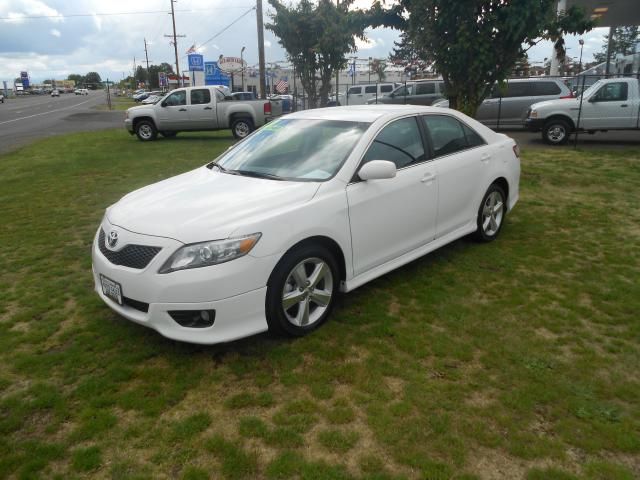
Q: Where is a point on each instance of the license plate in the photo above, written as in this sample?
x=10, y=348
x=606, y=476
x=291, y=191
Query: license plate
x=111, y=289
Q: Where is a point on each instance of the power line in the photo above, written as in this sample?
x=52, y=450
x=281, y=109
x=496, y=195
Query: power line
x=151, y=12
x=226, y=28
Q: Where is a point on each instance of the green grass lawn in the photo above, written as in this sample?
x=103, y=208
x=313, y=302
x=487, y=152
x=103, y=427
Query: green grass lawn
x=118, y=103
x=516, y=359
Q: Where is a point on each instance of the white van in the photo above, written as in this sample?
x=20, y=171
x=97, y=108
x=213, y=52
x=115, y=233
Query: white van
x=360, y=94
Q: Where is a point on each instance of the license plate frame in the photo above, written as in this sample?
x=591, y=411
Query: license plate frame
x=111, y=289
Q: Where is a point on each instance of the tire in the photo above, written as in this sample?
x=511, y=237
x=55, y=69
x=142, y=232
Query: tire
x=556, y=131
x=308, y=277
x=146, y=131
x=241, y=127
x=168, y=134
x=491, y=214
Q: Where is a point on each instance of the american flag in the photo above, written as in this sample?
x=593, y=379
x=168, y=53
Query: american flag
x=282, y=86
x=192, y=49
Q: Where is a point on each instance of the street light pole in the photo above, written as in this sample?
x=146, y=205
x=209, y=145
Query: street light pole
x=581, y=42
x=242, y=66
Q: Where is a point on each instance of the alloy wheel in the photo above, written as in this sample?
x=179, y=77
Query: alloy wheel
x=492, y=213
x=307, y=292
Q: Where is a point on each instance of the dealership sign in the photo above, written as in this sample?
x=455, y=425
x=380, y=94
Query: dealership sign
x=24, y=76
x=213, y=75
x=196, y=62
x=231, y=64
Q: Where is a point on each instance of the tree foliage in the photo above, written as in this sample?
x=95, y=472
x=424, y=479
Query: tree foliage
x=475, y=43
x=92, y=80
x=317, y=39
x=624, y=42
x=79, y=79
x=379, y=67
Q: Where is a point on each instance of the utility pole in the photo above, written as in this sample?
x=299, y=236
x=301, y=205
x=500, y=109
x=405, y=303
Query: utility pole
x=146, y=54
x=134, y=73
x=175, y=41
x=338, y=72
x=263, y=87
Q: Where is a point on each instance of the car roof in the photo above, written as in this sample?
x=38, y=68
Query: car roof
x=363, y=113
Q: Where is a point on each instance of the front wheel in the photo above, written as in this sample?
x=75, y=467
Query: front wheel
x=491, y=214
x=146, y=130
x=301, y=291
x=556, y=132
x=241, y=128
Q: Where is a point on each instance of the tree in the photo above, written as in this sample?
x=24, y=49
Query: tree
x=378, y=67
x=153, y=73
x=92, y=80
x=624, y=42
x=407, y=54
x=477, y=42
x=79, y=79
x=317, y=39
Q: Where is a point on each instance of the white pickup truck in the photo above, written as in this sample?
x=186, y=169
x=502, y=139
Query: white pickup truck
x=196, y=109
x=611, y=104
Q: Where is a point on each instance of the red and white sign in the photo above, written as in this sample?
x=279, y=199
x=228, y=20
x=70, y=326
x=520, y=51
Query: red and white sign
x=231, y=64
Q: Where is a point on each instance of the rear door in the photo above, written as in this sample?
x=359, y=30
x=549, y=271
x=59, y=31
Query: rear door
x=425, y=94
x=202, y=110
x=609, y=107
x=355, y=96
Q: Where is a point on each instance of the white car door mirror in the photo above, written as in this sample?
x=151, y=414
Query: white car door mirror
x=377, y=170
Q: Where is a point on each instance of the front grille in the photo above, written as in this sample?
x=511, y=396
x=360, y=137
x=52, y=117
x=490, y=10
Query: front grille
x=132, y=256
x=138, y=305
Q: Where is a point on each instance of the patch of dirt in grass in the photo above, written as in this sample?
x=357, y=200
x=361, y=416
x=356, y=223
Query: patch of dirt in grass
x=394, y=307
x=395, y=385
x=546, y=334
x=480, y=399
x=494, y=465
x=20, y=327
x=10, y=309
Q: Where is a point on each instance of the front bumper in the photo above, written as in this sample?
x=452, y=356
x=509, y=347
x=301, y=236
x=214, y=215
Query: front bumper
x=534, y=124
x=128, y=124
x=236, y=290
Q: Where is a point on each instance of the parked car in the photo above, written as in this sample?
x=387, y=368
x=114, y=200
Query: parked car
x=243, y=96
x=151, y=99
x=138, y=97
x=81, y=91
x=55, y=93
x=197, y=109
x=507, y=106
x=1, y=98
x=361, y=94
x=317, y=202
x=421, y=92
x=611, y=104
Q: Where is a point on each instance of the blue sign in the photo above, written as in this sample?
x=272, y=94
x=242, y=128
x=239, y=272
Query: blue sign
x=213, y=75
x=24, y=76
x=162, y=79
x=196, y=62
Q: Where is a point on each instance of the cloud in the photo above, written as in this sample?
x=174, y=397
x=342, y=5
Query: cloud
x=366, y=44
x=267, y=43
x=55, y=32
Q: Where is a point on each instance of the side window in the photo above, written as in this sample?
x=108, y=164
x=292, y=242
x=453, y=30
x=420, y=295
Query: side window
x=399, y=142
x=473, y=138
x=355, y=90
x=200, y=97
x=386, y=88
x=546, y=88
x=404, y=90
x=219, y=95
x=612, y=92
x=425, y=88
x=370, y=89
x=447, y=134
x=519, y=89
x=176, y=99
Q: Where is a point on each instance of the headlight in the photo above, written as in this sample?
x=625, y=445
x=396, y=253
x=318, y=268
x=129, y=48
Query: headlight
x=533, y=114
x=204, y=254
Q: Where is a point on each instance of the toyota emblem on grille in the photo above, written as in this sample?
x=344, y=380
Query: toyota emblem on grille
x=112, y=239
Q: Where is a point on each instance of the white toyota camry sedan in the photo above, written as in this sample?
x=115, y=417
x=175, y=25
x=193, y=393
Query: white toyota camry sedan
x=313, y=204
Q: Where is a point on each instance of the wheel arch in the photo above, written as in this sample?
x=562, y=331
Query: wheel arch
x=137, y=120
x=326, y=242
x=563, y=117
x=503, y=183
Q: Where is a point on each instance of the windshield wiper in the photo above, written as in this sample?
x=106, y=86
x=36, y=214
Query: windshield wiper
x=251, y=173
x=221, y=168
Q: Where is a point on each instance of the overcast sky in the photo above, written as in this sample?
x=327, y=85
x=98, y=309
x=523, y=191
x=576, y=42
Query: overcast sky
x=105, y=36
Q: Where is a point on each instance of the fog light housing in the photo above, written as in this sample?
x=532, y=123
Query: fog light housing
x=193, y=318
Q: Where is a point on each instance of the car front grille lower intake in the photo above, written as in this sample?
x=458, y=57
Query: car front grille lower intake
x=132, y=256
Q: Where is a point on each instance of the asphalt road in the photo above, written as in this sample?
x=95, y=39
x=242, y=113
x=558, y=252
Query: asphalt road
x=26, y=118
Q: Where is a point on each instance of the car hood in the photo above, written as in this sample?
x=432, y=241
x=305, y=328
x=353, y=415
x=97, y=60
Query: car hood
x=205, y=204
x=564, y=103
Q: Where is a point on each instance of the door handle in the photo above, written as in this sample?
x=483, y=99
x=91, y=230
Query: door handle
x=485, y=157
x=624, y=105
x=182, y=110
x=428, y=178
x=208, y=108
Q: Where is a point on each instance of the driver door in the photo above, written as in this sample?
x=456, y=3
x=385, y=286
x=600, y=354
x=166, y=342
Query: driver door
x=391, y=217
x=173, y=112
x=608, y=108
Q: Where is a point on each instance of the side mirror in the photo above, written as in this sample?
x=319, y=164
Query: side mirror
x=163, y=104
x=377, y=170
x=593, y=99
x=228, y=97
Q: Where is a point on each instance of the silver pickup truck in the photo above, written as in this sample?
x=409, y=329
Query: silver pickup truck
x=196, y=109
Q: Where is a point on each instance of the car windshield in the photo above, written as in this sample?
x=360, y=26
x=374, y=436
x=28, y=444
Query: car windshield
x=295, y=149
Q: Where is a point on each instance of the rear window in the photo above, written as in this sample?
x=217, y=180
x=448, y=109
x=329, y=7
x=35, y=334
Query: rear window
x=386, y=88
x=425, y=88
x=200, y=97
x=370, y=89
x=546, y=88
x=354, y=90
x=519, y=89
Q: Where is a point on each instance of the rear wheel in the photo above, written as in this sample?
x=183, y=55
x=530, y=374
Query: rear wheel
x=491, y=214
x=241, y=127
x=556, y=131
x=302, y=290
x=146, y=130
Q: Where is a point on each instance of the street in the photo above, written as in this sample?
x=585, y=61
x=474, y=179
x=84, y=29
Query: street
x=26, y=118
